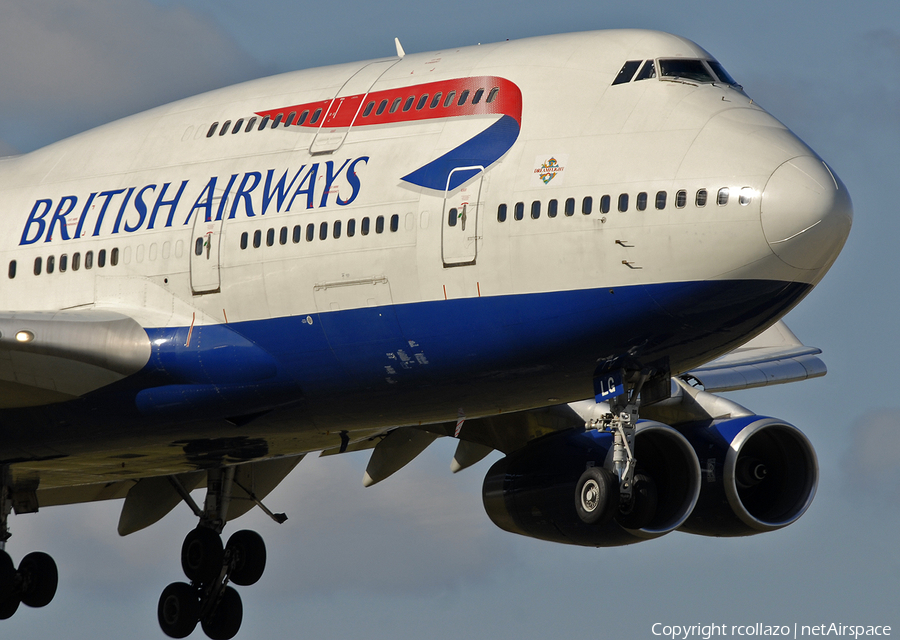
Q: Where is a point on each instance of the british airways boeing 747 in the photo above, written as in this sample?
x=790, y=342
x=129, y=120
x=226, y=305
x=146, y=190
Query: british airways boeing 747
x=555, y=248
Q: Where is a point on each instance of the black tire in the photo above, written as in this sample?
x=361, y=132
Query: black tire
x=596, y=494
x=178, y=610
x=643, y=509
x=39, y=579
x=248, y=557
x=202, y=555
x=7, y=576
x=8, y=607
x=224, y=621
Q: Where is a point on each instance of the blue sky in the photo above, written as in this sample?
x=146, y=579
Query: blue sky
x=415, y=556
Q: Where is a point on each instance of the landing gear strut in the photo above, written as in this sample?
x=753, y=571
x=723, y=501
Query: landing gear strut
x=34, y=582
x=210, y=566
x=636, y=491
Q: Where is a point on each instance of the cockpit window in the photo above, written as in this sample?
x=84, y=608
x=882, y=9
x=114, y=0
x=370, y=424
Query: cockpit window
x=682, y=69
x=647, y=71
x=719, y=70
x=626, y=73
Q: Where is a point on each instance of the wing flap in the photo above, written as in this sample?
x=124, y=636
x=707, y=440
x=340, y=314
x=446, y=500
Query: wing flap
x=775, y=356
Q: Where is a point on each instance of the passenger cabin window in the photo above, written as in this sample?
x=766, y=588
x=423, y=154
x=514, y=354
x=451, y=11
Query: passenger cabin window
x=422, y=102
x=701, y=198
x=570, y=207
x=436, y=100
x=381, y=107
x=684, y=69
x=536, y=209
x=551, y=209
x=37, y=266
x=297, y=233
x=364, y=227
x=493, y=95
x=661, y=200
x=395, y=222
x=587, y=205
x=51, y=264
x=89, y=260
x=369, y=108
x=604, y=204
x=323, y=231
x=12, y=269
x=379, y=224
x=76, y=261
x=680, y=199
x=310, y=232
x=501, y=213
x=283, y=235
x=623, y=202
x=212, y=130
x=449, y=99
x=113, y=257
x=101, y=258
x=270, y=238
x=722, y=198
x=626, y=73
x=462, y=98
x=225, y=127
x=409, y=103
x=63, y=262
x=336, y=229
x=641, y=202
x=351, y=227
x=519, y=212
x=746, y=196
x=263, y=123
x=257, y=239
x=244, y=239
x=477, y=97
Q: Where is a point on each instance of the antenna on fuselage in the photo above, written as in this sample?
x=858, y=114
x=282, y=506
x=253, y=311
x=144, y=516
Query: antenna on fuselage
x=400, y=51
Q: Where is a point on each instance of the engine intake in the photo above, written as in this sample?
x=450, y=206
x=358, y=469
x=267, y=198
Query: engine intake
x=759, y=474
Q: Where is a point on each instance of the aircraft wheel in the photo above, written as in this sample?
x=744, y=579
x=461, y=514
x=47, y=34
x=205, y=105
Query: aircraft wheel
x=595, y=495
x=249, y=553
x=178, y=610
x=202, y=555
x=7, y=576
x=644, y=506
x=225, y=620
x=8, y=607
x=39, y=579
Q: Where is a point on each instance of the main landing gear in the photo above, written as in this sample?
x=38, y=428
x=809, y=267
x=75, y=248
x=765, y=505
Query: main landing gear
x=34, y=582
x=626, y=493
x=210, y=566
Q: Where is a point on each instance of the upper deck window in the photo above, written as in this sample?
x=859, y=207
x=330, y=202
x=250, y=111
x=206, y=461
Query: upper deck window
x=684, y=69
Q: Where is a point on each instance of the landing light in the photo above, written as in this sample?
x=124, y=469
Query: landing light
x=24, y=336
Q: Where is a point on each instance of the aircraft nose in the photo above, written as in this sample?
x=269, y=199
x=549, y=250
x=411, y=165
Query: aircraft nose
x=806, y=213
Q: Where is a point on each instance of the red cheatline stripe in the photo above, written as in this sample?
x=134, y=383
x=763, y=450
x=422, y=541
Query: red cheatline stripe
x=345, y=111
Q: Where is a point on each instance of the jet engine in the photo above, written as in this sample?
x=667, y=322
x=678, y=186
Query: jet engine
x=535, y=491
x=758, y=474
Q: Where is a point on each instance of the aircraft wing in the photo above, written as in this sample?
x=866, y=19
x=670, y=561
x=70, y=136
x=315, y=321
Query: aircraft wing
x=775, y=356
x=48, y=357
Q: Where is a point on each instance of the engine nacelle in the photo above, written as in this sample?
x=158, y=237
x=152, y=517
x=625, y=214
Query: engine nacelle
x=532, y=491
x=758, y=474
